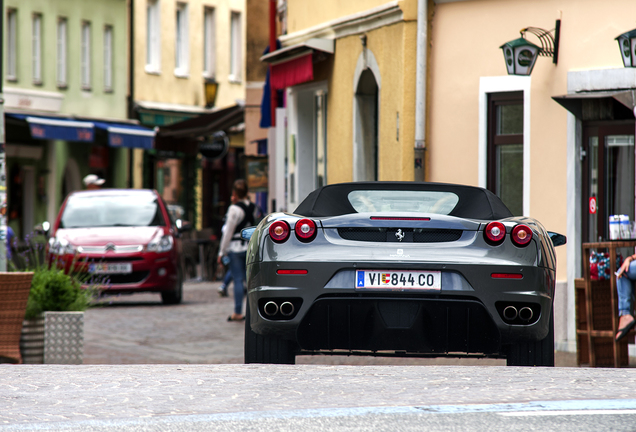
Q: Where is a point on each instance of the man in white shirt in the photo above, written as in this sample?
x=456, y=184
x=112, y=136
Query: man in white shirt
x=239, y=215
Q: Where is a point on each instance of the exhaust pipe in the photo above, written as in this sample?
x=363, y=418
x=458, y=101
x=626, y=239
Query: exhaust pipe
x=270, y=308
x=525, y=313
x=286, y=309
x=510, y=313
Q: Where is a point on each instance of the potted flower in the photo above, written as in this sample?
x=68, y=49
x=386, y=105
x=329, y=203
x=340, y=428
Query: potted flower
x=53, y=329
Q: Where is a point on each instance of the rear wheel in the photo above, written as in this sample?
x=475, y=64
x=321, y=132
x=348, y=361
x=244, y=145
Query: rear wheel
x=266, y=349
x=176, y=295
x=539, y=353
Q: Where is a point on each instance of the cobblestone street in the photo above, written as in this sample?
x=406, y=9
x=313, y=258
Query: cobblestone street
x=138, y=329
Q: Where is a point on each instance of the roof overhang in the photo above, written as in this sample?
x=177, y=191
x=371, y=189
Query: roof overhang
x=294, y=51
x=185, y=136
x=574, y=102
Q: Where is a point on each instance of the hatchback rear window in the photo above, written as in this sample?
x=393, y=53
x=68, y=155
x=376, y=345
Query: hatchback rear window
x=112, y=211
x=403, y=201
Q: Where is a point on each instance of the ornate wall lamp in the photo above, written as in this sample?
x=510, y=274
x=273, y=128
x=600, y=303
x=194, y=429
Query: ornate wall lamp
x=627, y=45
x=520, y=54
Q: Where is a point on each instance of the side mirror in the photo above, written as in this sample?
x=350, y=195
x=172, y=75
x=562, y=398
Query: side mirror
x=42, y=229
x=246, y=233
x=182, y=225
x=557, y=239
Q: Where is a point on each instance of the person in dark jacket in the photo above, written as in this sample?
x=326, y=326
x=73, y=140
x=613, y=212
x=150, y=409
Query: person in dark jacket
x=239, y=215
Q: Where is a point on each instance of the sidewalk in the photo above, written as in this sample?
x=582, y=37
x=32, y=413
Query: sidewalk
x=47, y=394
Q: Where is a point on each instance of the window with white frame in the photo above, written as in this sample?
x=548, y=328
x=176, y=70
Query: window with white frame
x=62, y=38
x=505, y=148
x=12, y=44
x=153, y=41
x=85, y=54
x=108, y=58
x=36, y=49
x=236, y=51
x=209, y=43
x=181, y=49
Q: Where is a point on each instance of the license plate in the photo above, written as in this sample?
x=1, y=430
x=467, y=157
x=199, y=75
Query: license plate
x=110, y=268
x=390, y=279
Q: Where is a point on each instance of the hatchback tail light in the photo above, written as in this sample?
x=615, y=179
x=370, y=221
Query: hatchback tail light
x=305, y=230
x=521, y=235
x=279, y=231
x=495, y=233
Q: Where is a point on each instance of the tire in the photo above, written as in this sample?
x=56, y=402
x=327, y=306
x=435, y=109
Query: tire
x=539, y=353
x=266, y=349
x=176, y=295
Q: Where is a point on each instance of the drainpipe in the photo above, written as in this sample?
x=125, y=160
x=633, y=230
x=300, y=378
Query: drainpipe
x=131, y=85
x=420, y=91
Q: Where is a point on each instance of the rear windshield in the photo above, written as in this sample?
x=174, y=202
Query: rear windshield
x=111, y=211
x=403, y=201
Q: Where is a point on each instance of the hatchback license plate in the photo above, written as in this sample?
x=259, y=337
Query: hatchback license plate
x=111, y=268
x=390, y=279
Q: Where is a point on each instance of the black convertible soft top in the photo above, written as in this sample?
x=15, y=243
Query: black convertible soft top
x=474, y=202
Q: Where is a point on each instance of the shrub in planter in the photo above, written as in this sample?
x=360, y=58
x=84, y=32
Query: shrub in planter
x=54, y=290
x=52, y=331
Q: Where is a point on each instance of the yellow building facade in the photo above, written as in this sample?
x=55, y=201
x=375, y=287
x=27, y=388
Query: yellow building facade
x=177, y=47
x=355, y=120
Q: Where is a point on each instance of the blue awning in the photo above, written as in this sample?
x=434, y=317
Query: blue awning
x=58, y=128
x=119, y=134
x=128, y=135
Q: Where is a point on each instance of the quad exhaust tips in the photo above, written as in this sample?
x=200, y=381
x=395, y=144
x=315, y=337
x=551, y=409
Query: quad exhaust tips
x=513, y=315
x=286, y=308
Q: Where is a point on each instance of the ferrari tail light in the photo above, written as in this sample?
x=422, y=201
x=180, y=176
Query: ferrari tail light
x=521, y=235
x=305, y=230
x=279, y=231
x=495, y=233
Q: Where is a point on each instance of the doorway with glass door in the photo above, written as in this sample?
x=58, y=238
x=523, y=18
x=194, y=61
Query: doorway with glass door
x=607, y=155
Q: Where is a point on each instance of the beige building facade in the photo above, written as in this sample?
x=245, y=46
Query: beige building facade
x=575, y=142
x=557, y=145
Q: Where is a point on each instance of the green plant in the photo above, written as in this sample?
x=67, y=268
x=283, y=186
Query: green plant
x=54, y=290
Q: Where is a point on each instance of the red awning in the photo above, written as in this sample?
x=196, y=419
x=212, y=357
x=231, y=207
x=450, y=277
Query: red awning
x=295, y=71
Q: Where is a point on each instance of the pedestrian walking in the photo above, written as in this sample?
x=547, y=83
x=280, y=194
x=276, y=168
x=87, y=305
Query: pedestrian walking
x=239, y=215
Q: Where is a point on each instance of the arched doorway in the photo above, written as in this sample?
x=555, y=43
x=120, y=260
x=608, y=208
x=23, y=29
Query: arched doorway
x=365, y=112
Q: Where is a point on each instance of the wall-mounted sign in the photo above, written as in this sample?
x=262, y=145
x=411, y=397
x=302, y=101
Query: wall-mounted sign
x=215, y=146
x=592, y=205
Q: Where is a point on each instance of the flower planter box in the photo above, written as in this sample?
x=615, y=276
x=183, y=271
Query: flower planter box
x=54, y=338
x=14, y=292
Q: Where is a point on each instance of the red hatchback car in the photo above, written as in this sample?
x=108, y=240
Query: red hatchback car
x=125, y=237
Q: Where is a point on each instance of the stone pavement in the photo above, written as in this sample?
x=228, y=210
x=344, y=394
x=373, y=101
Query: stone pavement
x=146, y=361
x=139, y=330
x=36, y=394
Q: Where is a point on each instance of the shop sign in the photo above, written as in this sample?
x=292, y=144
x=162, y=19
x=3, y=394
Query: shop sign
x=215, y=146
